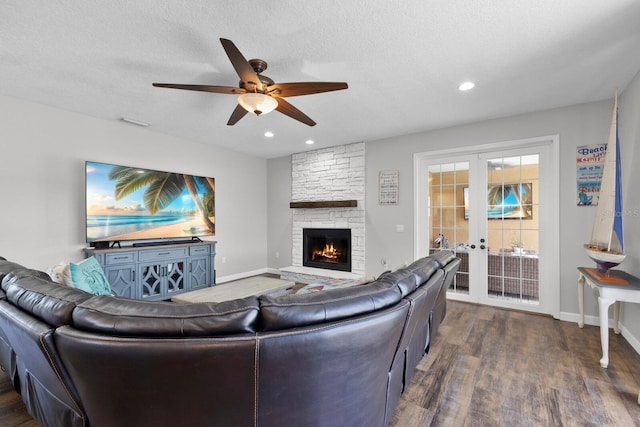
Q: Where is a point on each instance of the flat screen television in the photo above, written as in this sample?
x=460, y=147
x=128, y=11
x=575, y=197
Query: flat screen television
x=508, y=201
x=125, y=203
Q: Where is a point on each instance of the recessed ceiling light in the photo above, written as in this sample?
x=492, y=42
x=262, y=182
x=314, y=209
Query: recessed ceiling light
x=309, y=142
x=268, y=134
x=466, y=86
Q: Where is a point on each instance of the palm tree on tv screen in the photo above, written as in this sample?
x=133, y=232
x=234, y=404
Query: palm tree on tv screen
x=497, y=195
x=162, y=188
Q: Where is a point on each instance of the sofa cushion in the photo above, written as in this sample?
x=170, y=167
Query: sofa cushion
x=443, y=257
x=289, y=311
x=9, y=271
x=20, y=273
x=411, y=277
x=126, y=317
x=403, y=278
x=7, y=267
x=48, y=301
x=423, y=269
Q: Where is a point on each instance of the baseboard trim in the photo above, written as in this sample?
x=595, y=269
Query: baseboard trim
x=244, y=275
x=575, y=317
x=632, y=340
x=595, y=321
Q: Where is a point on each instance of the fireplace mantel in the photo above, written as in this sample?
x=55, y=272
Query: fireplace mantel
x=324, y=204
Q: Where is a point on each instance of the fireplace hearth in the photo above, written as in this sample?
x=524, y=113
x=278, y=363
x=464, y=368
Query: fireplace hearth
x=328, y=248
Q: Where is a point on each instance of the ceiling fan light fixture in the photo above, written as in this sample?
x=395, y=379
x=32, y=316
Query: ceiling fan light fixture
x=468, y=85
x=257, y=103
x=259, y=93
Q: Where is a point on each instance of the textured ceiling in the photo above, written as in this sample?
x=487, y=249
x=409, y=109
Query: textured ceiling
x=403, y=61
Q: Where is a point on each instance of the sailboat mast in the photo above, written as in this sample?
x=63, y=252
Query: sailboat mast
x=615, y=144
x=607, y=247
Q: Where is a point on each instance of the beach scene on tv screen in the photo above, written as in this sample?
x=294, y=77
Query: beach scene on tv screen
x=509, y=201
x=505, y=201
x=128, y=203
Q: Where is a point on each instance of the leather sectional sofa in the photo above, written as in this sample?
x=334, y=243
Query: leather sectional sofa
x=340, y=357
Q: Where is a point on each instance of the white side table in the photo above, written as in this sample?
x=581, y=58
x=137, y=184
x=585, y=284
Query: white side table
x=609, y=293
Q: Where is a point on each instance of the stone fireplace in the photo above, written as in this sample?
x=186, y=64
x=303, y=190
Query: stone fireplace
x=328, y=248
x=325, y=178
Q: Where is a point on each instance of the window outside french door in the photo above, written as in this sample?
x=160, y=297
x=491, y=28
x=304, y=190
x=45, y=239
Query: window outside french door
x=494, y=209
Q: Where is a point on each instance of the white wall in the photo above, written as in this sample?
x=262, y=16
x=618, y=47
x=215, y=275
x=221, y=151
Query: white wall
x=42, y=155
x=280, y=216
x=629, y=134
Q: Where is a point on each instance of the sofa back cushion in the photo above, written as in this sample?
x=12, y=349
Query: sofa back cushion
x=403, y=278
x=7, y=267
x=44, y=299
x=125, y=317
x=19, y=273
x=443, y=257
x=423, y=269
x=409, y=278
x=289, y=311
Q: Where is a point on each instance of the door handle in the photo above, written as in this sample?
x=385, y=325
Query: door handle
x=472, y=246
x=482, y=247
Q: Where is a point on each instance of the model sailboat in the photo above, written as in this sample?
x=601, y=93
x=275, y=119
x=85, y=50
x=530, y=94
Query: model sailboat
x=607, y=247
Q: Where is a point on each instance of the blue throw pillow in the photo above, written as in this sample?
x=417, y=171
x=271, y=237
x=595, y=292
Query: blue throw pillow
x=88, y=276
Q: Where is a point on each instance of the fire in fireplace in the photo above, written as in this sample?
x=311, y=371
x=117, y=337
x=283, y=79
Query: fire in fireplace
x=328, y=248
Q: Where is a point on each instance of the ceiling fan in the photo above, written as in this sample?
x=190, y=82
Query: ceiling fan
x=259, y=94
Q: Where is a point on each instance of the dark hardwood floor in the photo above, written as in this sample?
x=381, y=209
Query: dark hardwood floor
x=12, y=410
x=493, y=367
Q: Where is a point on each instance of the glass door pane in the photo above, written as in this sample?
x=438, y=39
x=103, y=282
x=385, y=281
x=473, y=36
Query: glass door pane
x=448, y=214
x=513, y=228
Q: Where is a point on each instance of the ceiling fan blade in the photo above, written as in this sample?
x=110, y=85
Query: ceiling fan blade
x=287, y=109
x=296, y=89
x=241, y=65
x=204, y=88
x=237, y=114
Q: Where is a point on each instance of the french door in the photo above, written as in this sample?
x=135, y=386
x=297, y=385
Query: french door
x=494, y=208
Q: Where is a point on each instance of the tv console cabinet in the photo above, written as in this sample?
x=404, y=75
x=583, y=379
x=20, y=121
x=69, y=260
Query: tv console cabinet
x=157, y=272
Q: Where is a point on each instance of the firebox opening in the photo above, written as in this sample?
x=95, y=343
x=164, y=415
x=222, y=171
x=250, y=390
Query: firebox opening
x=328, y=248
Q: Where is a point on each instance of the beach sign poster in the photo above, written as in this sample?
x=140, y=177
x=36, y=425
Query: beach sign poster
x=589, y=167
